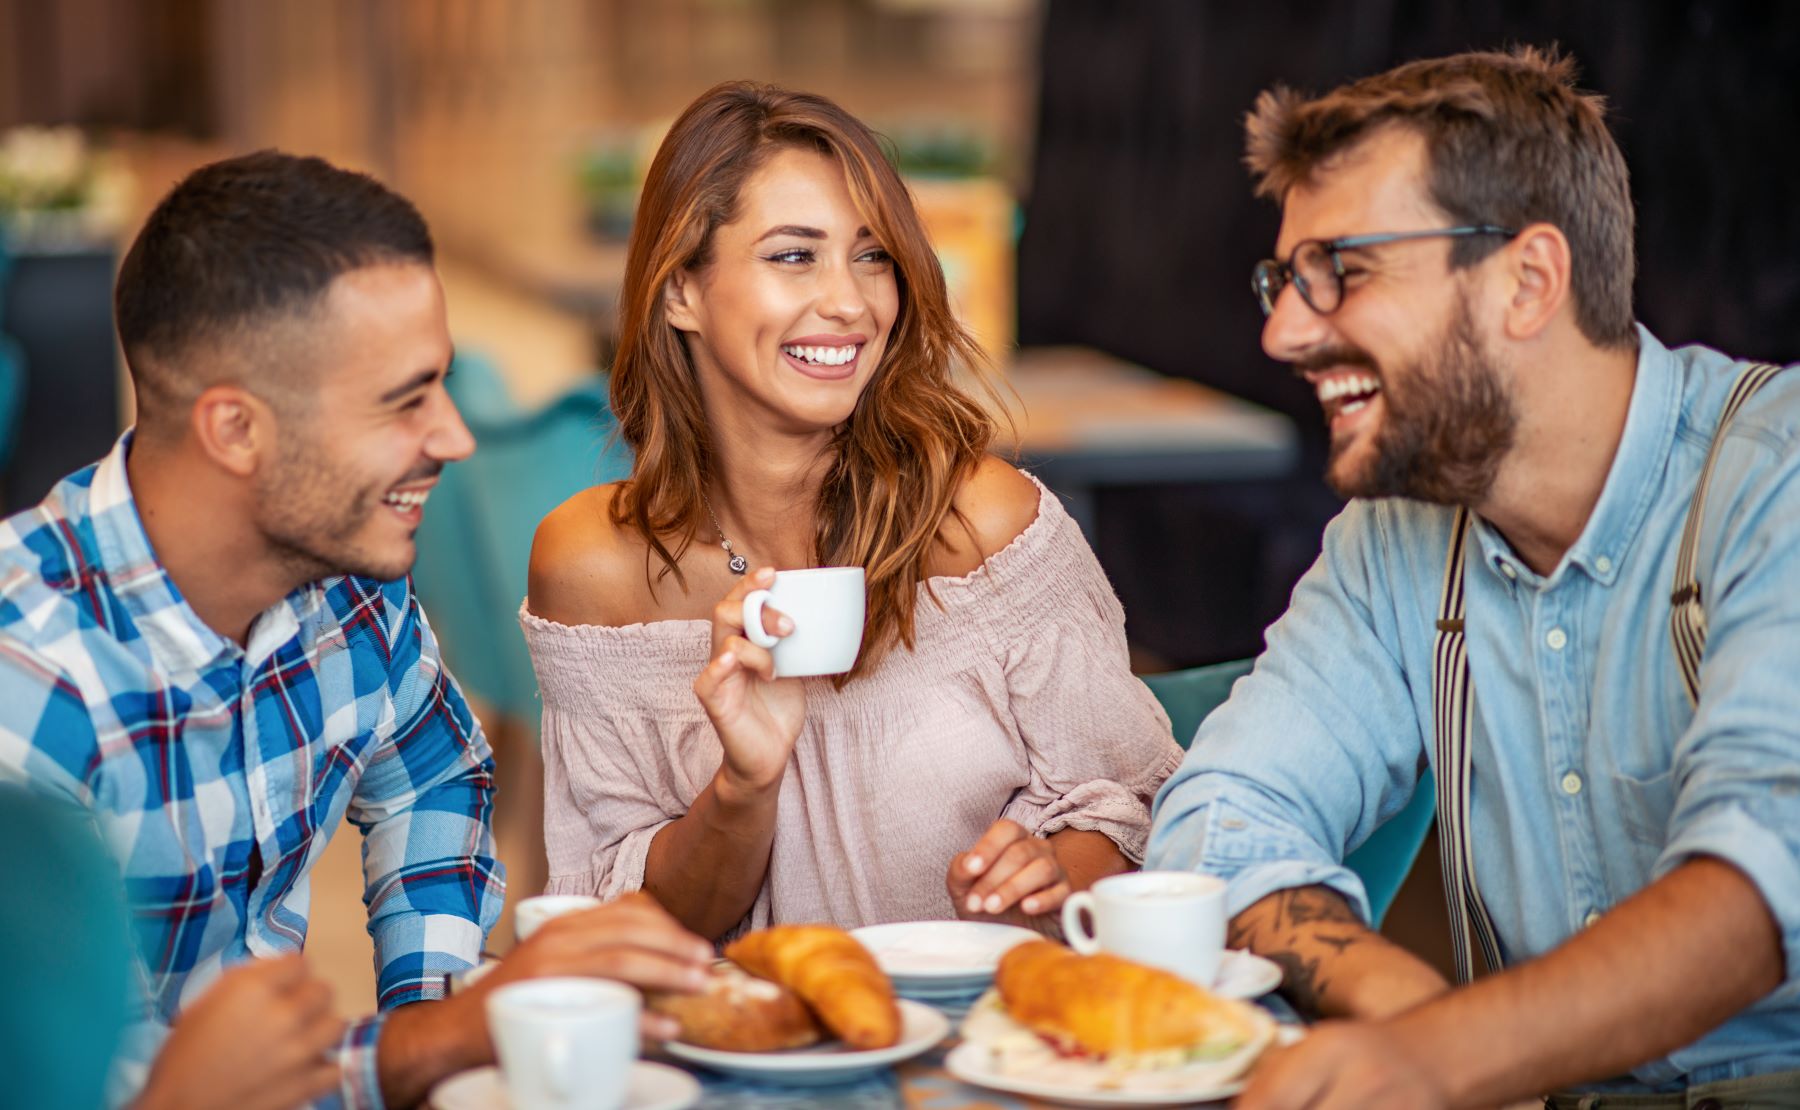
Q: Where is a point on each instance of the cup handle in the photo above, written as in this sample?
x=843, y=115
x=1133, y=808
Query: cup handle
x=753, y=622
x=1074, y=930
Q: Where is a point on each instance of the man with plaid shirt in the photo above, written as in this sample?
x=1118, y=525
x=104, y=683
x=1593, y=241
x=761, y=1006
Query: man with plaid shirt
x=208, y=640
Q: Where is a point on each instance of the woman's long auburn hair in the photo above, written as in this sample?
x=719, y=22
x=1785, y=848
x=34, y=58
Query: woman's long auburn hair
x=913, y=437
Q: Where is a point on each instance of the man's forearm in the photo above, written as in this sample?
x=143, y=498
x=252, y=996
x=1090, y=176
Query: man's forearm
x=1658, y=972
x=1332, y=964
x=427, y=1041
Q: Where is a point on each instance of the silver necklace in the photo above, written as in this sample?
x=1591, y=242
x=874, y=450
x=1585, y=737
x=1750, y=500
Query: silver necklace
x=737, y=563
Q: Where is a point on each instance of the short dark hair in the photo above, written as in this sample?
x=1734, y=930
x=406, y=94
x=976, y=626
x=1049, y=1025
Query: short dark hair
x=1509, y=139
x=245, y=240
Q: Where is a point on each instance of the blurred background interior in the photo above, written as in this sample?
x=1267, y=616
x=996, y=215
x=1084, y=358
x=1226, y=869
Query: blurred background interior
x=1076, y=160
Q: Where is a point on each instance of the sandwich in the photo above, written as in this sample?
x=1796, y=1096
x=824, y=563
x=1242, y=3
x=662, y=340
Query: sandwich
x=1051, y=1005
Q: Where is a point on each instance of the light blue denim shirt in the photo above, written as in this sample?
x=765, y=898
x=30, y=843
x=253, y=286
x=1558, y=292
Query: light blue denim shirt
x=1592, y=774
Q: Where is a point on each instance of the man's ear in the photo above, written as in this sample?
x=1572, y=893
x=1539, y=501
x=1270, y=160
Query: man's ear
x=1538, y=271
x=234, y=427
x=679, y=295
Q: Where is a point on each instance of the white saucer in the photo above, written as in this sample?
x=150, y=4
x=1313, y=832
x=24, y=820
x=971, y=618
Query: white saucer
x=820, y=1065
x=934, y=960
x=653, y=1087
x=1245, y=975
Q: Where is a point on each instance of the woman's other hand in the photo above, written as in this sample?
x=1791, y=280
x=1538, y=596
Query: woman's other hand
x=756, y=715
x=1007, y=870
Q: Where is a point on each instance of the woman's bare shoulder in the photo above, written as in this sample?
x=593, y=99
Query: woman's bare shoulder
x=996, y=503
x=584, y=568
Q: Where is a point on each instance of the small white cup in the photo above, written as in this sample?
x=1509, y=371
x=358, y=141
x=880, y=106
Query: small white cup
x=1174, y=920
x=826, y=606
x=565, y=1044
x=529, y=915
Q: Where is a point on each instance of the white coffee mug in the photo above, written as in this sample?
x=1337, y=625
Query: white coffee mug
x=1174, y=920
x=826, y=606
x=530, y=914
x=565, y=1044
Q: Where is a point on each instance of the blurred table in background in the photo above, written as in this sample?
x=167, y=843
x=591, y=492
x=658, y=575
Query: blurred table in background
x=1091, y=420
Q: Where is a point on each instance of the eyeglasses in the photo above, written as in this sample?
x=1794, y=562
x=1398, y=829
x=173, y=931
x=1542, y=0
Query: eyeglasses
x=1316, y=268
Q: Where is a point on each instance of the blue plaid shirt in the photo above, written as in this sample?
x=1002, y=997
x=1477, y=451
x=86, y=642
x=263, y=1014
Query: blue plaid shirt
x=217, y=774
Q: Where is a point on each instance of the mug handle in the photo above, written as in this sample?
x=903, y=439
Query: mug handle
x=1074, y=931
x=753, y=622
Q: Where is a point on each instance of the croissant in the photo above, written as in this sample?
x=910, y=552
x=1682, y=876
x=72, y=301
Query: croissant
x=1106, y=1006
x=830, y=972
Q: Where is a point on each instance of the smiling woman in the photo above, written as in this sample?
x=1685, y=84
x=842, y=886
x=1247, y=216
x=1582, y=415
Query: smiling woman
x=785, y=378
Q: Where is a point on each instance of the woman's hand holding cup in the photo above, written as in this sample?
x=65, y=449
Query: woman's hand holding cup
x=756, y=715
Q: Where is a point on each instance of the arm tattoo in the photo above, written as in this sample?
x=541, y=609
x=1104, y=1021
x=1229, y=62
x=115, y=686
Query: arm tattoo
x=1303, y=931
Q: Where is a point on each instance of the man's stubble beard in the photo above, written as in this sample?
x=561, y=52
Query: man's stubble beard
x=310, y=512
x=1445, y=429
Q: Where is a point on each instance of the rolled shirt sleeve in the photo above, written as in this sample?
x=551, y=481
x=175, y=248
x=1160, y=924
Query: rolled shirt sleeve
x=1316, y=747
x=433, y=885
x=1735, y=772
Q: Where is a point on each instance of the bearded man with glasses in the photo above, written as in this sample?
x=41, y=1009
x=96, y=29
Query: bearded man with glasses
x=1563, y=594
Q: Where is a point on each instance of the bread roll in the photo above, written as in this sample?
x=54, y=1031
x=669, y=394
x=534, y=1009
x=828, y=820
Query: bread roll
x=738, y=1012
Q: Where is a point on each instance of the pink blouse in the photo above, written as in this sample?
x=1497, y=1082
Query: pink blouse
x=1016, y=701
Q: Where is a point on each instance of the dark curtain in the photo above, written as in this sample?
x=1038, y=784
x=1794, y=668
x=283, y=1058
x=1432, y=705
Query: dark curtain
x=1140, y=229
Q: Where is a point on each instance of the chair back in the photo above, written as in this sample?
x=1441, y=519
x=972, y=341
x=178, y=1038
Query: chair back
x=475, y=539
x=1384, y=860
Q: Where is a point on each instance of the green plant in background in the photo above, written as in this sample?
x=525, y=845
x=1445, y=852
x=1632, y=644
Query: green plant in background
x=53, y=185
x=610, y=174
x=940, y=149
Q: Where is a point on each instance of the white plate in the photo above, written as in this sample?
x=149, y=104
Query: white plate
x=940, y=959
x=921, y=1028
x=1074, y=1083
x=653, y=1087
x=1245, y=975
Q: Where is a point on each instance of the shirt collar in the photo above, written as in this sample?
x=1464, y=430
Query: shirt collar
x=1632, y=485
x=178, y=639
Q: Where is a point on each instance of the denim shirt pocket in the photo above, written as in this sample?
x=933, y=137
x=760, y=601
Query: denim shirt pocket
x=1645, y=805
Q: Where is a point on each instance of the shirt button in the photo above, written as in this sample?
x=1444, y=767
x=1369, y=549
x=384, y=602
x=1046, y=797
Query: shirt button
x=1592, y=916
x=1571, y=783
x=1603, y=565
x=1557, y=639
x=1511, y=574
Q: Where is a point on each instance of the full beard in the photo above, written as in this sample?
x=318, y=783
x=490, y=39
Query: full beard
x=1444, y=431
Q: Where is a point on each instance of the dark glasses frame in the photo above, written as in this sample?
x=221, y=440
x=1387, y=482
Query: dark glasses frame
x=1272, y=275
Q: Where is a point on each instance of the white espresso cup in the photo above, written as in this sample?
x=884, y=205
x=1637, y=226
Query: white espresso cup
x=530, y=914
x=826, y=606
x=1174, y=920
x=565, y=1044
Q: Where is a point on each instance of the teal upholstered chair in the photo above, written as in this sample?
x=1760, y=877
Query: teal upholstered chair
x=1384, y=859
x=475, y=539
x=64, y=930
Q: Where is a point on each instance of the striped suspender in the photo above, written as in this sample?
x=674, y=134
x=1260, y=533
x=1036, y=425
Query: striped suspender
x=1687, y=617
x=1452, y=699
x=1453, y=695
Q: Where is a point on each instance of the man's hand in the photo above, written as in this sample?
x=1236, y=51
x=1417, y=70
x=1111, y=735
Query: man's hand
x=270, y=1014
x=633, y=940
x=1343, y=1066
x=1007, y=867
